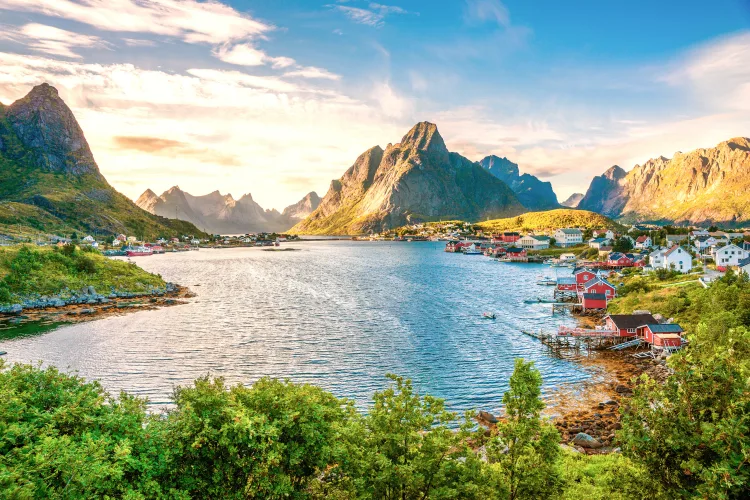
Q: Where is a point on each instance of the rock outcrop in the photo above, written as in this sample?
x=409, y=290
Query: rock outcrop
x=300, y=210
x=531, y=192
x=710, y=185
x=415, y=180
x=573, y=200
x=47, y=168
x=217, y=213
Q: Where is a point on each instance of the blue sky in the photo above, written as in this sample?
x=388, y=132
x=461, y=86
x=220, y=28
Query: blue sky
x=277, y=98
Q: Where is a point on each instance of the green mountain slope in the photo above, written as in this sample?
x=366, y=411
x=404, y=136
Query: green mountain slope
x=46, y=164
x=551, y=219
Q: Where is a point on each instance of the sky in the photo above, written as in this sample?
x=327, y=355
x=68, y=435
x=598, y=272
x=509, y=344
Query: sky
x=277, y=98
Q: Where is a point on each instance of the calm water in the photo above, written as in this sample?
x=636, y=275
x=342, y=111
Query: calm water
x=337, y=314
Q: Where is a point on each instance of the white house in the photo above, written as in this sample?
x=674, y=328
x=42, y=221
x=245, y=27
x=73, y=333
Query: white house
x=94, y=244
x=729, y=256
x=533, y=242
x=88, y=239
x=704, y=244
x=643, y=242
x=598, y=243
x=116, y=242
x=197, y=242
x=656, y=258
x=604, y=233
x=567, y=257
x=568, y=237
x=678, y=258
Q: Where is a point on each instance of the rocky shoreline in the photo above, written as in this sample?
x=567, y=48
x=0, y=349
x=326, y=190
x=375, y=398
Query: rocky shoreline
x=86, y=304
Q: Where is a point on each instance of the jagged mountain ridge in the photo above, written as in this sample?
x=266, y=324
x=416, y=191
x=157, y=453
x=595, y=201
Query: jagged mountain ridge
x=573, y=200
x=533, y=193
x=705, y=185
x=415, y=180
x=304, y=207
x=222, y=214
x=47, y=165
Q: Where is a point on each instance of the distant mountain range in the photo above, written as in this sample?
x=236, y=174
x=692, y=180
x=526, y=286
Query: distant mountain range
x=417, y=179
x=710, y=185
x=222, y=214
x=573, y=200
x=531, y=192
x=50, y=182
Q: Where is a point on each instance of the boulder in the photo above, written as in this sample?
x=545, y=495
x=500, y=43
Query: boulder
x=623, y=389
x=487, y=417
x=585, y=441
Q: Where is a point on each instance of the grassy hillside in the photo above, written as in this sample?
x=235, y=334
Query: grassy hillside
x=26, y=271
x=551, y=219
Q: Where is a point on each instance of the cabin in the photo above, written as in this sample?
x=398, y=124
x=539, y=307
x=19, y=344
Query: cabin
x=566, y=284
x=583, y=276
x=567, y=257
x=533, y=242
x=594, y=301
x=607, y=234
x=661, y=335
x=600, y=285
x=626, y=325
x=510, y=237
x=617, y=259
x=516, y=254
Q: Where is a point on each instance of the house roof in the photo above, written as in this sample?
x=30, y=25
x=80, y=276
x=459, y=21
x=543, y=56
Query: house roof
x=596, y=280
x=672, y=250
x=566, y=280
x=568, y=230
x=666, y=328
x=641, y=239
x=541, y=238
x=594, y=296
x=632, y=320
x=597, y=240
x=731, y=246
x=744, y=262
x=511, y=234
x=605, y=249
x=676, y=237
x=516, y=250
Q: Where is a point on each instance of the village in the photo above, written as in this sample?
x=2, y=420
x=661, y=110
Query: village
x=599, y=261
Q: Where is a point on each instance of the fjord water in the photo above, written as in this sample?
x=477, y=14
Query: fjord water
x=338, y=314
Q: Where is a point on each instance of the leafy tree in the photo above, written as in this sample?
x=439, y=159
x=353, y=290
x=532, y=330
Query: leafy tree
x=623, y=245
x=692, y=430
x=525, y=448
x=405, y=448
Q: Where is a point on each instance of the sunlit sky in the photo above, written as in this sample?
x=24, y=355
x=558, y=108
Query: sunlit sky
x=278, y=97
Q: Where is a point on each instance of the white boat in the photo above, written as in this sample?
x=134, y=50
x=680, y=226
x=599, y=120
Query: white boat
x=547, y=282
x=488, y=315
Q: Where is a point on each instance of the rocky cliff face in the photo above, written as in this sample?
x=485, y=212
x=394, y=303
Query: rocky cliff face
x=531, y=192
x=215, y=212
x=46, y=165
x=304, y=207
x=705, y=185
x=573, y=200
x=415, y=180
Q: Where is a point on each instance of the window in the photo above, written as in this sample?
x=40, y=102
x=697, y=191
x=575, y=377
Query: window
x=631, y=330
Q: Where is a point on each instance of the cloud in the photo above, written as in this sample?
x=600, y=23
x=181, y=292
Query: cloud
x=488, y=10
x=176, y=149
x=373, y=16
x=245, y=54
x=191, y=20
x=313, y=72
x=51, y=40
x=137, y=42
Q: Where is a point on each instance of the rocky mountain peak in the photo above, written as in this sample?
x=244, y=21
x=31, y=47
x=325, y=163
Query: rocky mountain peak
x=424, y=136
x=46, y=125
x=533, y=193
x=614, y=173
x=496, y=164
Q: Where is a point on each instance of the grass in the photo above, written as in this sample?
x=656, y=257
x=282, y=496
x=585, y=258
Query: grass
x=27, y=271
x=550, y=220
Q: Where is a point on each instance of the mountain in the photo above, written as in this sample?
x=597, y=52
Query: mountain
x=550, y=220
x=50, y=182
x=304, y=207
x=573, y=200
x=415, y=180
x=222, y=214
x=710, y=185
x=531, y=192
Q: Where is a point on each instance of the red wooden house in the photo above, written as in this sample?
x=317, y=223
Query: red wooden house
x=627, y=325
x=566, y=284
x=617, y=259
x=510, y=237
x=517, y=254
x=661, y=335
x=583, y=276
x=599, y=285
x=594, y=301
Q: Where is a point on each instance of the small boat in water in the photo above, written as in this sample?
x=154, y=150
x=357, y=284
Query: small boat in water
x=547, y=282
x=488, y=315
x=138, y=251
x=3, y=353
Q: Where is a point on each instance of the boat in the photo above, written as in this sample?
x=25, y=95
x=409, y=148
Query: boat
x=3, y=353
x=549, y=262
x=138, y=251
x=472, y=252
x=547, y=282
x=488, y=315
x=504, y=259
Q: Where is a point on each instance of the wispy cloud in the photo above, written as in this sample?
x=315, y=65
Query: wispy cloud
x=488, y=10
x=191, y=20
x=245, y=54
x=51, y=40
x=178, y=149
x=374, y=15
x=313, y=72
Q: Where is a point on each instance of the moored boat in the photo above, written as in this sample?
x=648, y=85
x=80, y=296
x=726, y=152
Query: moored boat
x=138, y=251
